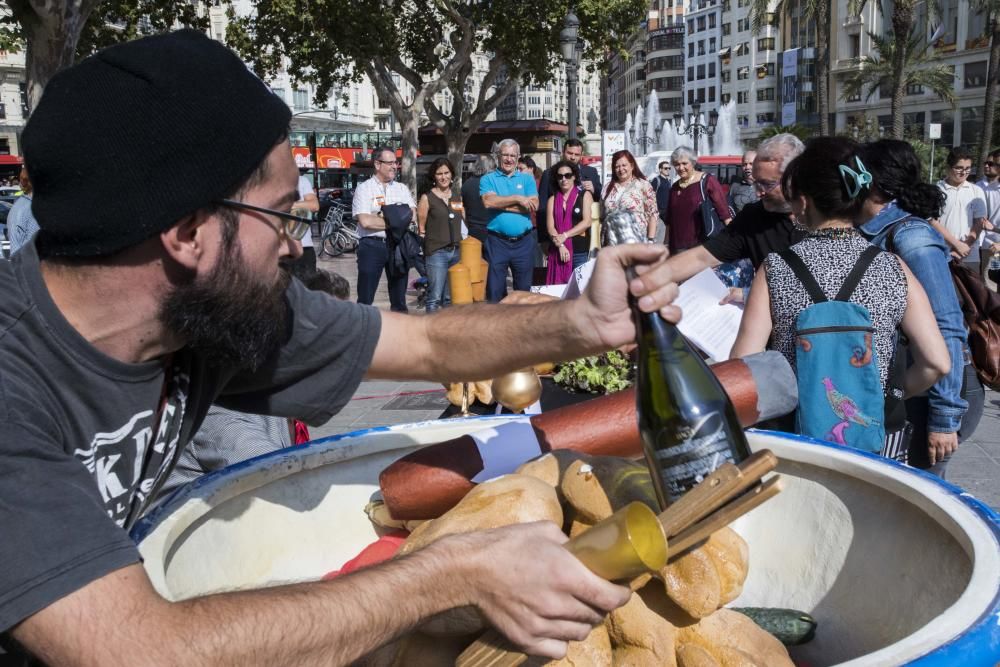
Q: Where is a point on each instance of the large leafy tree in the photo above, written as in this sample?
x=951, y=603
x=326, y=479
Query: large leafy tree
x=430, y=46
x=56, y=33
x=815, y=11
x=895, y=67
x=992, y=10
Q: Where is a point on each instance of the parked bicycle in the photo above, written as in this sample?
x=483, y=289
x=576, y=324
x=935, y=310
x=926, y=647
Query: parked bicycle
x=338, y=232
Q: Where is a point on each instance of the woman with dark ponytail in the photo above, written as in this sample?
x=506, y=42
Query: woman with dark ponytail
x=894, y=217
x=835, y=281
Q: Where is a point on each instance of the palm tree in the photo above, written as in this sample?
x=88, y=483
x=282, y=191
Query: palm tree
x=817, y=11
x=992, y=10
x=800, y=131
x=897, y=69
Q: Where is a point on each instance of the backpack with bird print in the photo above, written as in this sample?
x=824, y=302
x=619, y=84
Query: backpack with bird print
x=840, y=394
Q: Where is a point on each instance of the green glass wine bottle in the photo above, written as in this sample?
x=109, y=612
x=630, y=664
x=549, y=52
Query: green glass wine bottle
x=687, y=422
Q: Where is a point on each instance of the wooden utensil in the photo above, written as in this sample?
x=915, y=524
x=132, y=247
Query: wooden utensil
x=727, y=494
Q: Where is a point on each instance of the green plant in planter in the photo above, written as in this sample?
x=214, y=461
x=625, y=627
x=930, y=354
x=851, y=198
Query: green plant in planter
x=601, y=374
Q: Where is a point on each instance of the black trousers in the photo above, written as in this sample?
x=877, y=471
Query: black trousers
x=916, y=414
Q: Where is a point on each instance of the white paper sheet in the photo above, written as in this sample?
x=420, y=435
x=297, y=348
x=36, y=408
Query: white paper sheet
x=705, y=323
x=505, y=447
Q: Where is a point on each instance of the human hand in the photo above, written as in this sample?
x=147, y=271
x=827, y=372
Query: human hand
x=563, y=254
x=940, y=445
x=588, y=186
x=604, y=308
x=519, y=298
x=533, y=590
x=735, y=295
x=961, y=249
x=529, y=204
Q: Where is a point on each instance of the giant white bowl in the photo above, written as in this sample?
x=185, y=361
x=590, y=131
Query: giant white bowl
x=896, y=566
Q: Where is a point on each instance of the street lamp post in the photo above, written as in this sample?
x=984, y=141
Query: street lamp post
x=642, y=138
x=695, y=126
x=568, y=43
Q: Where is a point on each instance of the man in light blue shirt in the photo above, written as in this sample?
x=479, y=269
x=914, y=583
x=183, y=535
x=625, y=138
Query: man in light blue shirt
x=21, y=225
x=509, y=197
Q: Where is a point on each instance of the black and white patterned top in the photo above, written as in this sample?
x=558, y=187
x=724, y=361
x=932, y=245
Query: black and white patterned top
x=830, y=256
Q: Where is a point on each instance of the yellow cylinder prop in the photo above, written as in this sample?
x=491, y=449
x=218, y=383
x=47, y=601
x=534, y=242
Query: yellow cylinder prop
x=479, y=288
x=471, y=254
x=460, y=285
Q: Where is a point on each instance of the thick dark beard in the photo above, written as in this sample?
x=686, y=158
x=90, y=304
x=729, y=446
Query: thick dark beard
x=231, y=317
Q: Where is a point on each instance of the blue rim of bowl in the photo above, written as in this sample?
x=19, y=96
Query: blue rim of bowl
x=979, y=644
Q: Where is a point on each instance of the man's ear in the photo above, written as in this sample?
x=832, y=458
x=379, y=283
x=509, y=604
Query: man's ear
x=186, y=241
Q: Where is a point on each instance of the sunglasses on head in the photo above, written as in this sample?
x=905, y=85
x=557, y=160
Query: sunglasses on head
x=564, y=175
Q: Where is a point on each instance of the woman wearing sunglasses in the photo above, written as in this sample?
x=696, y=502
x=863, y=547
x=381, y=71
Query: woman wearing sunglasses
x=568, y=216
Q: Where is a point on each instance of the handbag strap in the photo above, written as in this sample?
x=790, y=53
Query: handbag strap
x=701, y=186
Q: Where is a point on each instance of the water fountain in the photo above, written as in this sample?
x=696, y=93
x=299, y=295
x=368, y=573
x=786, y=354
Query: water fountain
x=727, y=135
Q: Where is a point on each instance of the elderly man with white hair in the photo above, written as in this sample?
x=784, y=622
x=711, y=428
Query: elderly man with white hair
x=762, y=227
x=509, y=197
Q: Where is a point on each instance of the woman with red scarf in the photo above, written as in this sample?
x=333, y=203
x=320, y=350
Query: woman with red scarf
x=568, y=219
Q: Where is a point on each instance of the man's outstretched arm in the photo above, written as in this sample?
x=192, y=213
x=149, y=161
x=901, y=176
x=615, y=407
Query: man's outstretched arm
x=520, y=577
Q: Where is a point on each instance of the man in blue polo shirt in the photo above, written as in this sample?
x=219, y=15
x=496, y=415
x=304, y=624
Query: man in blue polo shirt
x=509, y=197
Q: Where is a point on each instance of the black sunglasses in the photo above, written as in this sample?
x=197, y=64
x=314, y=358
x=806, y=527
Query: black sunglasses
x=293, y=226
x=562, y=176
x=990, y=163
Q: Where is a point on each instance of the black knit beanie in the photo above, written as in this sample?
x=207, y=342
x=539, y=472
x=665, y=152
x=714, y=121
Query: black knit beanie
x=132, y=139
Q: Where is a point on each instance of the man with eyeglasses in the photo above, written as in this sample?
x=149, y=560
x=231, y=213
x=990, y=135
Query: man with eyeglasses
x=373, y=251
x=990, y=252
x=510, y=197
x=963, y=218
x=124, y=324
x=762, y=227
x=744, y=192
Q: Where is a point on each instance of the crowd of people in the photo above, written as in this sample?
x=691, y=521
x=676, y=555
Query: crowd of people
x=153, y=313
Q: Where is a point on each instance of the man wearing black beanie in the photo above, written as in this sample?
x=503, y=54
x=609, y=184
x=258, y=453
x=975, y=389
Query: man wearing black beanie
x=163, y=183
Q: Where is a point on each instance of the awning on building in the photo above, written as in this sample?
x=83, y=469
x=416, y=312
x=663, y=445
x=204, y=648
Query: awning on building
x=743, y=71
x=724, y=52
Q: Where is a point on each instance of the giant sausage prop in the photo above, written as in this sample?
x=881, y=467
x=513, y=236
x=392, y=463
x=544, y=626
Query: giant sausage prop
x=428, y=482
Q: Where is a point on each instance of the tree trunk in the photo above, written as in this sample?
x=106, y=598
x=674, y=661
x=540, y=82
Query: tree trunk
x=902, y=25
x=992, y=76
x=52, y=31
x=823, y=66
x=410, y=123
x=456, y=140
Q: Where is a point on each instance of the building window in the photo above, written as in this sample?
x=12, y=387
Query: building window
x=743, y=73
x=912, y=89
x=690, y=97
x=853, y=98
x=711, y=70
x=3, y=110
x=711, y=94
x=726, y=76
x=711, y=20
x=765, y=118
x=765, y=44
x=300, y=99
x=727, y=29
x=855, y=42
x=725, y=98
x=975, y=75
x=690, y=49
x=743, y=24
x=742, y=96
x=701, y=72
x=765, y=94
x=690, y=26
x=765, y=70
x=701, y=47
x=701, y=23
x=690, y=73
x=712, y=44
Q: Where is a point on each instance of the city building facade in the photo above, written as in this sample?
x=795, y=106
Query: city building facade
x=748, y=64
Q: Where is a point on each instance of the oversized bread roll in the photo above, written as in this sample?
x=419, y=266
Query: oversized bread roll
x=731, y=556
x=546, y=468
x=499, y=502
x=692, y=655
x=692, y=581
x=584, y=493
x=483, y=391
x=594, y=651
x=641, y=636
x=734, y=640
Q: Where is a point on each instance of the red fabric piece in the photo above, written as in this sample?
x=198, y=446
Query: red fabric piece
x=378, y=551
x=301, y=432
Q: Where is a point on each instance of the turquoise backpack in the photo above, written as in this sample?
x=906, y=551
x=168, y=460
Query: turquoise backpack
x=840, y=393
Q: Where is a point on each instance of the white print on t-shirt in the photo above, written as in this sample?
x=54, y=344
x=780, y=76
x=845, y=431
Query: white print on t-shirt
x=128, y=462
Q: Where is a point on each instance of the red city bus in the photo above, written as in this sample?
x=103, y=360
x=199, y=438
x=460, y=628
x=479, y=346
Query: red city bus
x=727, y=168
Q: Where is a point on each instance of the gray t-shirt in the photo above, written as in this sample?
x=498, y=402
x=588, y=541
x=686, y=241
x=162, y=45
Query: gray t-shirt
x=87, y=440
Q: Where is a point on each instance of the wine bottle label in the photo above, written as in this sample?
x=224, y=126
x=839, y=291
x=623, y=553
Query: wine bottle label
x=700, y=449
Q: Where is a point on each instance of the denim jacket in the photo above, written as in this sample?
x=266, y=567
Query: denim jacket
x=926, y=254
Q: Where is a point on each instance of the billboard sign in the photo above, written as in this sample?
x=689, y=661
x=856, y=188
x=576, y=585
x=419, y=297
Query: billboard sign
x=611, y=143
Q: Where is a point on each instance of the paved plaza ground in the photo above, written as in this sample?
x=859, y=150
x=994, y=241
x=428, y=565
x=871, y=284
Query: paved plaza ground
x=976, y=466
